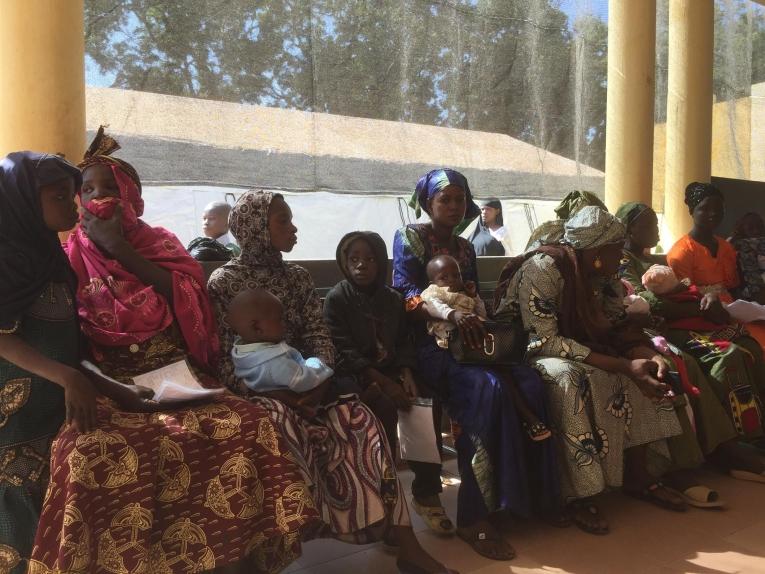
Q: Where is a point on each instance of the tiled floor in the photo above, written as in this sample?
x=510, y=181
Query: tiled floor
x=643, y=539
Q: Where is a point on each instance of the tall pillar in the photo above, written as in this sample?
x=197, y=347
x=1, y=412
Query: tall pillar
x=689, y=108
x=42, y=77
x=630, y=101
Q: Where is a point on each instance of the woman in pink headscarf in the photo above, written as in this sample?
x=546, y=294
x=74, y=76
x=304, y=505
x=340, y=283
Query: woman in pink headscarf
x=177, y=490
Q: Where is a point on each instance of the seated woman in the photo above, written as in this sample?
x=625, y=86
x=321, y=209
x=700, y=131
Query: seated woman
x=491, y=444
x=343, y=452
x=731, y=362
x=178, y=491
x=371, y=334
x=706, y=259
x=604, y=381
x=39, y=383
x=748, y=239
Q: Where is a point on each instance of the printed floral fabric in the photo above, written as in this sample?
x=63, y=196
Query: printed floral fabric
x=597, y=414
x=31, y=413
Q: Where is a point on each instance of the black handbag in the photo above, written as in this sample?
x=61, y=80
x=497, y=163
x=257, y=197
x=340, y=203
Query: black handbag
x=505, y=344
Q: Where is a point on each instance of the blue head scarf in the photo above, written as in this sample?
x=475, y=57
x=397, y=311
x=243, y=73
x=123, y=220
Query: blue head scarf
x=436, y=180
x=30, y=254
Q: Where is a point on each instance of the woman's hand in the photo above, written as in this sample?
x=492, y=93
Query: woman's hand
x=716, y=313
x=80, y=399
x=708, y=300
x=471, y=328
x=408, y=383
x=105, y=233
x=395, y=392
x=647, y=375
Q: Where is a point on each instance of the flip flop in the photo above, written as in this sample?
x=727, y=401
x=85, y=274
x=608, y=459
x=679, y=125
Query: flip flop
x=650, y=494
x=699, y=496
x=435, y=517
x=746, y=475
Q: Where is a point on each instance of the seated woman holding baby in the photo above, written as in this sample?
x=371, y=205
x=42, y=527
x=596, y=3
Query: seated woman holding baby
x=340, y=444
x=503, y=471
x=700, y=328
x=189, y=489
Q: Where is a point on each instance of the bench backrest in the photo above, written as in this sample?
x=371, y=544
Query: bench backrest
x=326, y=274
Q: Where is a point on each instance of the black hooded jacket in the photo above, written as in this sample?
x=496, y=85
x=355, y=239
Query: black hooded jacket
x=369, y=327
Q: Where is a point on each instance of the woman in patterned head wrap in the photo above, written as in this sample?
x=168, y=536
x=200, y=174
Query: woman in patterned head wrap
x=604, y=381
x=490, y=442
x=706, y=259
x=361, y=474
x=221, y=472
x=725, y=361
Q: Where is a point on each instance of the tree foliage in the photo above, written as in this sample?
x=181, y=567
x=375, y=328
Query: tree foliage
x=524, y=68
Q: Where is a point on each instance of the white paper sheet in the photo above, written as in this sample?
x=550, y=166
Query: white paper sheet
x=746, y=311
x=175, y=383
x=416, y=435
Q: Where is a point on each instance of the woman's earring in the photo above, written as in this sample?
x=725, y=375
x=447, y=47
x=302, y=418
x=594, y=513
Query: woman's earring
x=597, y=263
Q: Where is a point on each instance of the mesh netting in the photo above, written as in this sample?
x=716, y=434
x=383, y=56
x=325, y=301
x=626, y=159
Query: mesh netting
x=361, y=97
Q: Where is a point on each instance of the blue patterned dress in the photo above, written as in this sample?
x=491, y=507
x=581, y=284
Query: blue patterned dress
x=499, y=468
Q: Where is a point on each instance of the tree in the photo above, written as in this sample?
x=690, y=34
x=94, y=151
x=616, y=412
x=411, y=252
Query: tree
x=518, y=67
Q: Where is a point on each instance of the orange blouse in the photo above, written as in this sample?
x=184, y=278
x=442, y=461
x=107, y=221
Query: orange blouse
x=690, y=259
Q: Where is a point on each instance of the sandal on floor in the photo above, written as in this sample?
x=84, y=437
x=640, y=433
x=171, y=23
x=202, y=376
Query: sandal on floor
x=408, y=568
x=537, y=431
x=557, y=519
x=747, y=475
x=593, y=512
x=653, y=494
x=488, y=544
x=699, y=496
x=435, y=517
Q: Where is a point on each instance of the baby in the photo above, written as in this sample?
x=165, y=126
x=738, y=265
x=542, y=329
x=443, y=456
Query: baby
x=262, y=359
x=448, y=296
x=662, y=282
x=215, y=225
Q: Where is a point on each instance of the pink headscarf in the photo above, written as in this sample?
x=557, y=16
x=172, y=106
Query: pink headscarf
x=116, y=308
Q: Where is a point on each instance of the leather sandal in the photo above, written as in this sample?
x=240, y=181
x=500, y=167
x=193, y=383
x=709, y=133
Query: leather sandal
x=651, y=493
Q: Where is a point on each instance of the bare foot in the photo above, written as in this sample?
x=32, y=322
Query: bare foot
x=412, y=558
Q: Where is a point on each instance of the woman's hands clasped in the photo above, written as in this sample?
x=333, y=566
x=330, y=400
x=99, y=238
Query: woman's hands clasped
x=648, y=370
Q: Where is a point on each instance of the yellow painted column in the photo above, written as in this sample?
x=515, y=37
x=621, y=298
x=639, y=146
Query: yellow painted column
x=630, y=101
x=689, y=109
x=42, y=77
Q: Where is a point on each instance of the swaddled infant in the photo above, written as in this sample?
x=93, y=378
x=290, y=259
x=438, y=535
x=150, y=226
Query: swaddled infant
x=262, y=359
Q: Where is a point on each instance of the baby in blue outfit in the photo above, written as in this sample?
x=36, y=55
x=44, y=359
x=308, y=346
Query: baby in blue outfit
x=262, y=359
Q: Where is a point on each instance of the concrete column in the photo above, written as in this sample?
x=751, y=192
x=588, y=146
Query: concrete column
x=689, y=108
x=42, y=98
x=630, y=101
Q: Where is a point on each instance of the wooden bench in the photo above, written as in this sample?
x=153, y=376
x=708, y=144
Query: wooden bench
x=326, y=274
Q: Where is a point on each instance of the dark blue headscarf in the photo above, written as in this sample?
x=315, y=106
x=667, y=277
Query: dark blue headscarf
x=30, y=254
x=435, y=181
